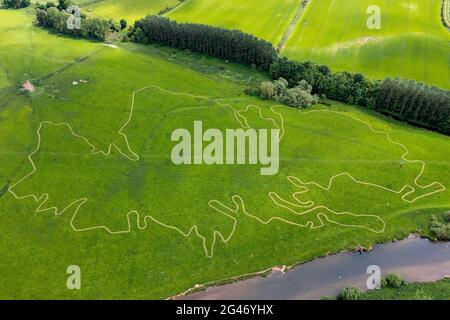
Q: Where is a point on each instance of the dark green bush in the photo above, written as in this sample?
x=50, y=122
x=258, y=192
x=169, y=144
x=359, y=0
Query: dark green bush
x=123, y=24
x=447, y=217
x=349, y=293
x=16, y=4
x=440, y=230
x=393, y=280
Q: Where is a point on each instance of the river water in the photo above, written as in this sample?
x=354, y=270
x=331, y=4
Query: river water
x=414, y=258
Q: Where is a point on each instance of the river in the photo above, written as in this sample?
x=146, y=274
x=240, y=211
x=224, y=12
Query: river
x=414, y=258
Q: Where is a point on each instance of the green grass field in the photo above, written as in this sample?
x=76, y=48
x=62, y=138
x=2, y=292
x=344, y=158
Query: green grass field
x=267, y=20
x=412, y=42
x=91, y=182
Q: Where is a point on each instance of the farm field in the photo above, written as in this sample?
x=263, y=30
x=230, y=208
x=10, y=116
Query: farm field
x=267, y=20
x=131, y=10
x=412, y=42
x=86, y=176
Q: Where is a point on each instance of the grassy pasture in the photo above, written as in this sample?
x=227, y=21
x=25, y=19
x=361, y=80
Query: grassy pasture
x=412, y=42
x=159, y=261
x=267, y=20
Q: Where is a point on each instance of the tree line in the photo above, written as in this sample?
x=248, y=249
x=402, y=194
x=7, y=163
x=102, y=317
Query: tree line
x=218, y=42
x=407, y=100
x=415, y=102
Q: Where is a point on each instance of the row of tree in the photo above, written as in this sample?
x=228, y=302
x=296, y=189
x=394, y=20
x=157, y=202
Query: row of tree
x=16, y=4
x=94, y=28
x=407, y=100
x=218, y=42
x=343, y=86
x=415, y=102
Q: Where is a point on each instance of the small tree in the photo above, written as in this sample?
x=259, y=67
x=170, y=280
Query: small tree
x=281, y=86
x=267, y=89
x=123, y=24
x=298, y=98
x=99, y=28
x=137, y=35
x=64, y=4
x=114, y=26
x=349, y=293
x=273, y=90
x=393, y=280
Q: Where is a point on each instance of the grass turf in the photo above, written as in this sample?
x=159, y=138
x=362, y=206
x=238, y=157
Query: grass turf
x=158, y=262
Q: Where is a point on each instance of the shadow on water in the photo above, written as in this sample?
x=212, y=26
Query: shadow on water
x=414, y=258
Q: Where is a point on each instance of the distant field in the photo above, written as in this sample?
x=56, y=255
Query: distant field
x=265, y=19
x=412, y=43
x=141, y=227
x=131, y=10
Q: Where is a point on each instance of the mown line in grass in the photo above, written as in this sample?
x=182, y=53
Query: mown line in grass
x=214, y=204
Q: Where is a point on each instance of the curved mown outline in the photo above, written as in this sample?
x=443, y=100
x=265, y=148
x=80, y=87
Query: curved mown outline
x=446, y=13
x=310, y=204
x=214, y=204
x=42, y=200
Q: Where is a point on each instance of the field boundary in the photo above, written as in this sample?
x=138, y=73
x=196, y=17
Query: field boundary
x=292, y=24
x=239, y=204
x=169, y=9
